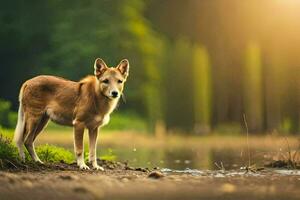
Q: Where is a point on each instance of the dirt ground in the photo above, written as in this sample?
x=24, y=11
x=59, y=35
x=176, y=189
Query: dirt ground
x=62, y=181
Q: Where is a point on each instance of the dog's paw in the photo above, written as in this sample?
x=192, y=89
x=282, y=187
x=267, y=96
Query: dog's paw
x=84, y=166
x=97, y=167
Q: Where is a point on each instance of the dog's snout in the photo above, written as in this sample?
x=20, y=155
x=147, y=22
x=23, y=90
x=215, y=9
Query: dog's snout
x=114, y=94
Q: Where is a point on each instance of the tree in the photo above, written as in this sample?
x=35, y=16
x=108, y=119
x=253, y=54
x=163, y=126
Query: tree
x=252, y=98
x=178, y=83
x=111, y=30
x=64, y=38
x=202, y=90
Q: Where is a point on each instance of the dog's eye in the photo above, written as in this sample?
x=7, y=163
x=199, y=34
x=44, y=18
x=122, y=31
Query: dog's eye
x=106, y=81
x=120, y=81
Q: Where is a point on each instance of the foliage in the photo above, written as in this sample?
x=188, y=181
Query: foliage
x=188, y=88
x=253, y=99
x=47, y=153
x=178, y=109
x=112, y=36
x=110, y=156
x=260, y=78
x=51, y=153
x=7, y=150
x=202, y=89
x=67, y=36
x=8, y=118
x=194, y=66
x=126, y=121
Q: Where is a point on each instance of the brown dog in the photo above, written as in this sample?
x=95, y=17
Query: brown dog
x=84, y=104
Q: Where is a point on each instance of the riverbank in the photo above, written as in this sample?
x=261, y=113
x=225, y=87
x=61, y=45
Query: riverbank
x=131, y=184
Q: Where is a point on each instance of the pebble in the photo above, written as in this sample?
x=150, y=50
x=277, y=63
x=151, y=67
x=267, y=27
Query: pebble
x=28, y=184
x=68, y=177
x=80, y=190
x=125, y=180
x=228, y=188
x=141, y=169
x=129, y=168
x=155, y=175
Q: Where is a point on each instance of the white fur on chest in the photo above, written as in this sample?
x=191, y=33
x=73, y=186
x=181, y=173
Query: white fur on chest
x=102, y=120
x=112, y=106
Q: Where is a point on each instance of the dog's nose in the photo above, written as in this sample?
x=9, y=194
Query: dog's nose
x=114, y=94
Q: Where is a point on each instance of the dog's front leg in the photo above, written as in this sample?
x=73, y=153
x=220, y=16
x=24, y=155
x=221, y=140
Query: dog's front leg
x=78, y=145
x=93, y=133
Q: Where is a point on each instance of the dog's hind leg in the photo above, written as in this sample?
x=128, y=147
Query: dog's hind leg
x=35, y=126
x=42, y=124
x=20, y=131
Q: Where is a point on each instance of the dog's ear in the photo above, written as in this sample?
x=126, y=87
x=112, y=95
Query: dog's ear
x=123, y=67
x=100, y=67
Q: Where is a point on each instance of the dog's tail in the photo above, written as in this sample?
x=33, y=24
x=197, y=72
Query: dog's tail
x=20, y=128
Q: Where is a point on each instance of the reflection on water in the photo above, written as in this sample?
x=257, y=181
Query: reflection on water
x=183, y=158
x=179, y=153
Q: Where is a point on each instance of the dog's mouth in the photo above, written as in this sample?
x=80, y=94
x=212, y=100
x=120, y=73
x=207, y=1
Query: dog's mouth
x=111, y=97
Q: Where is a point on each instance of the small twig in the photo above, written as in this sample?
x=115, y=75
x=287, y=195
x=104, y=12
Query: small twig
x=221, y=167
x=290, y=157
x=289, y=149
x=295, y=155
x=217, y=165
x=247, y=131
x=11, y=163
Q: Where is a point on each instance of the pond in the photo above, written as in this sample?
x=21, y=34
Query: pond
x=185, y=152
x=188, y=158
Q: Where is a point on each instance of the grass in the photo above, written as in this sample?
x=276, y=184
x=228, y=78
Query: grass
x=9, y=157
x=124, y=139
x=8, y=153
x=110, y=156
x=52, y=154
x=289, y=159
x=111, y=141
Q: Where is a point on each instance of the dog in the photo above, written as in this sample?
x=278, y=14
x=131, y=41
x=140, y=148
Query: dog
x=86, y=104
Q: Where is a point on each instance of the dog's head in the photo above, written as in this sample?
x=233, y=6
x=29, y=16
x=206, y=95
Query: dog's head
x=111, y=79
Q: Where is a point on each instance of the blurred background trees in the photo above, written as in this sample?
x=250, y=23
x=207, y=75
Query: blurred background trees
x=197, y=66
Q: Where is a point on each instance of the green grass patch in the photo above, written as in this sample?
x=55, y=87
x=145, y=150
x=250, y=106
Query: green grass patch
x=126, y=121
x=51, y=154
x=110, y=156
x=8, y=152
x=9, y=156
x=7, y=133
x=8, y=118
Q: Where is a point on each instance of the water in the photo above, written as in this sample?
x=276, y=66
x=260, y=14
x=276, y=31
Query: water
x=188, y=158
x=231, y=173
x=183, y=152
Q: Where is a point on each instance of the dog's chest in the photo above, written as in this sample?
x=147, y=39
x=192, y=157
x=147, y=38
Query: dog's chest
x=102, y=120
